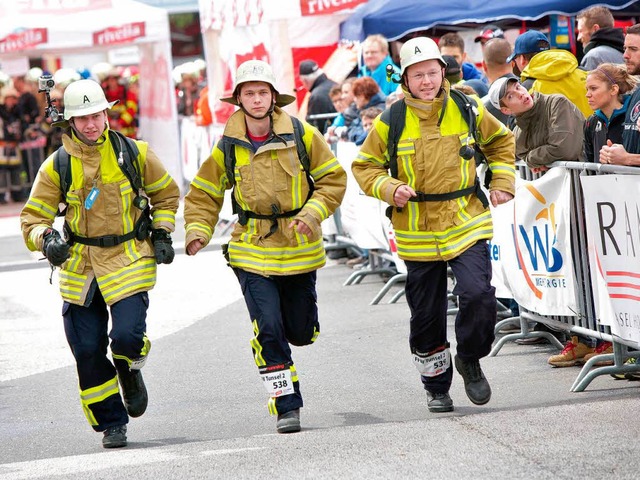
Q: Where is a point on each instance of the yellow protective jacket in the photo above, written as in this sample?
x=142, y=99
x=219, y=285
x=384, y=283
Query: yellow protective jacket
x=272, y=175
x=121, y=270
x=556, y=71
x=429, y=162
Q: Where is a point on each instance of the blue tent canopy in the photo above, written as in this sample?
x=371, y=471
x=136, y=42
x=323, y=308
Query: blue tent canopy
x=396, y=18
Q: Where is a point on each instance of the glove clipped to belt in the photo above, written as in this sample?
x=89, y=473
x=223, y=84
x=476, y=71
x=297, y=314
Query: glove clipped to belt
x=54, y=247
x=162, y=245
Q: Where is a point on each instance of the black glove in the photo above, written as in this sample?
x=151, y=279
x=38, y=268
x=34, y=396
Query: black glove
x=54, y=247
x=162, y=245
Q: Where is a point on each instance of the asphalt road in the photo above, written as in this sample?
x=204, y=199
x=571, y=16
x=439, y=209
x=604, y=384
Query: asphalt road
x=365, y=413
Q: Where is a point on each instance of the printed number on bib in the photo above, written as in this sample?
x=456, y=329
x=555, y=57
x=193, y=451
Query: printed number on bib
x=434, y=364
x=277, y=380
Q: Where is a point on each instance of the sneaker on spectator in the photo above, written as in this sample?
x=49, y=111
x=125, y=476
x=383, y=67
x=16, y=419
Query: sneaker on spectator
x=604, y=347
x=573, y=354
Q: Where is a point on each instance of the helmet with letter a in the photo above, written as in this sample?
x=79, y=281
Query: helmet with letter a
x=419, y=49
x=84, y=97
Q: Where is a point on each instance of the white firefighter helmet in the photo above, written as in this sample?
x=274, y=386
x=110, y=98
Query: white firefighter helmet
x=418, y=50
x=257, y=71
x=33, y=74
x=64, y=76
x=84, y=97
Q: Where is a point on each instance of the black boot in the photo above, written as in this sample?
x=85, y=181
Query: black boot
x=133, y=391
x=115, y=437
x=475, y=383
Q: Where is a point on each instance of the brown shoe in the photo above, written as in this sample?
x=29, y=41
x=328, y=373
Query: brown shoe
x=604, y=347
x=573, y=354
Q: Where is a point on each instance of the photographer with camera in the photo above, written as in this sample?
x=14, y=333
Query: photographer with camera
x=111, y=185
x=440, y=217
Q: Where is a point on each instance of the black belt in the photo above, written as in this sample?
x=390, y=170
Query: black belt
x=440, y=197
x=104, y=241
x=245, y=215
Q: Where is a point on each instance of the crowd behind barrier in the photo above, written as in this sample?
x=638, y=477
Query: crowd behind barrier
x=546, y=253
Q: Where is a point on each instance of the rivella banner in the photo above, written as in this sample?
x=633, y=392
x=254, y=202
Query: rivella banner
x=612, y=208
x=537, y=261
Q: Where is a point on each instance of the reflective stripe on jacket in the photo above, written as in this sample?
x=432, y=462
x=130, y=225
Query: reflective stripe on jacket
x=121, y=270
x=429, y=161
x=272, y=175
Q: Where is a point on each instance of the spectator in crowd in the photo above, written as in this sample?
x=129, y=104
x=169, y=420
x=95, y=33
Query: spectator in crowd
x=11, y=134
x=394, y=97
x=332, y=135
x=277, y=249
x=487, y=33
x=318, y=85
x=608, y=88
x=188, y=89
x=367, y=116
x=366, y=93
x=494, y=61
x=601, y=42
x=351, y=110
x=453, y=74
x=628, y=153
x=453, y=44
x=547, y=70
x=376, y=58
x=433, y=232
x=548, y=128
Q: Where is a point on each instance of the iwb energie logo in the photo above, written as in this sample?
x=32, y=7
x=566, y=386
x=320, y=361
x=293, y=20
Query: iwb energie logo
x=541, y=259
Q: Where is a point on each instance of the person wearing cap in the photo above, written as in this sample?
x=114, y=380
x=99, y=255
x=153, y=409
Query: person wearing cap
x=318, y=85
x=377, y=61
x=628, y=152
x=453, y=44
x=277, y=246
x=108, y=260
x=487, y=33
x=440, y=218
x=601, y=41
x=548, y=128
x=546, y=70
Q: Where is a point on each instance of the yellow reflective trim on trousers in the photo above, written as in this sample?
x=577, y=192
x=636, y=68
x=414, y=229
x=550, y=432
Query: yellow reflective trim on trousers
x=95, y=395
x=294, y=373
x=257, y=348
x=316, y=334
x=271, y=406
x=146, y=346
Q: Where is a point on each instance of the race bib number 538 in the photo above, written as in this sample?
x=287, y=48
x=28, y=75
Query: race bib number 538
x=277, y=380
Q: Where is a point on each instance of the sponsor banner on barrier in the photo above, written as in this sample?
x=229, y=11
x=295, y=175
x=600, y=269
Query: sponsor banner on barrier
x=537, y=261
x=502, y=217
x=612, y=210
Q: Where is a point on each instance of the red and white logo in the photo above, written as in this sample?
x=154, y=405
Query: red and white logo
x=122, y=34
x=24, y=40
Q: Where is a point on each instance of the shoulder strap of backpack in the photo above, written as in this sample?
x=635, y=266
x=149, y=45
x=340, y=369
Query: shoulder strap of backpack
x=125, y=146
x=61, y=160
x=395, y=117
x=298, y=133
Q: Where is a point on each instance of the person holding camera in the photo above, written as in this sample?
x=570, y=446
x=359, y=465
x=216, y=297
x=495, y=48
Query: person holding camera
x=440, y=216
x=120, y=209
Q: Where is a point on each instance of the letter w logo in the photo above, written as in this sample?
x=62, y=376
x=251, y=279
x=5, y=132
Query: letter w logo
x=542, y=246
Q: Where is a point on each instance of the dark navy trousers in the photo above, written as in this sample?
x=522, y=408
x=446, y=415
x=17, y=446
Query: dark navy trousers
x=86, y=329
x=426, y=291
x=283, y=311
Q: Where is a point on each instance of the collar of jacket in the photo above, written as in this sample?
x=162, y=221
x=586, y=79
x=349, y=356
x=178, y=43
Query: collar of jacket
x=609, y=36
x=236, y=126
x=77, y=148
x=425, y=109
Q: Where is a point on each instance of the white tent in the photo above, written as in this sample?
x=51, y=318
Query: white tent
x=37, y=28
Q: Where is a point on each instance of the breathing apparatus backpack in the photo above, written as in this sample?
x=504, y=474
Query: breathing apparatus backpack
x=395, y=117
x=126, y=152
x=227, y=145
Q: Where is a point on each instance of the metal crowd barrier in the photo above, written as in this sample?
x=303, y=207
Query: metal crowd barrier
x=585, y=322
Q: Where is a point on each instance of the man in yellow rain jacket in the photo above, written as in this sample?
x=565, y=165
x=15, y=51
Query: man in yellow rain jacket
x=441, y=218
x=108, y=259
x=276, y=246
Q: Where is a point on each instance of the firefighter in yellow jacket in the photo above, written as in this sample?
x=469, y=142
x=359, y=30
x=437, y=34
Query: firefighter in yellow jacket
x=441, y=218
x=107, y=259
x=276, y=246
